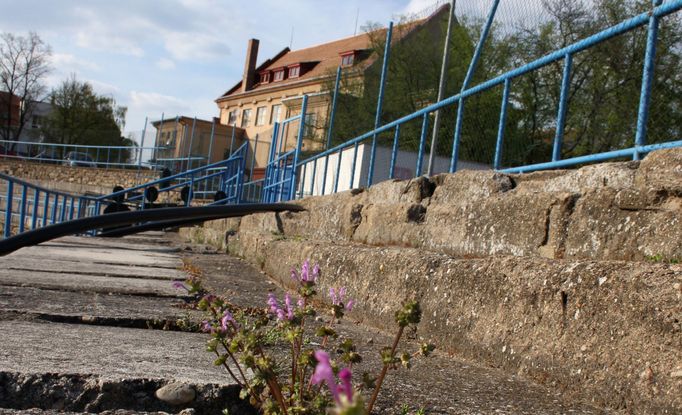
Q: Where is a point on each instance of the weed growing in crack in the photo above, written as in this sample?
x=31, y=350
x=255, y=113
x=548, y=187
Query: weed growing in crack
x=310, y=380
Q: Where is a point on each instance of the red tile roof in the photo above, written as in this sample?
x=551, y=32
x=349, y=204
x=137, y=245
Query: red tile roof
x=323, y=59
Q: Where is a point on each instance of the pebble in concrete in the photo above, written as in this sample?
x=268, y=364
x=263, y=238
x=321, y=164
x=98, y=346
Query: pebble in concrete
x=176, y=393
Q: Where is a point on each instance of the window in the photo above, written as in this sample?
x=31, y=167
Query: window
x=246, y=118
x=260, y=116
x=264, y=77
x=232, y=117
x=275, y=114
x=278, y=75
x=35, y=121
x=347, y=60
x=294, y=71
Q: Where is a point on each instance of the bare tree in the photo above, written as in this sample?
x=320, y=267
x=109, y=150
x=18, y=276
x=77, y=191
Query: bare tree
x=24, y=63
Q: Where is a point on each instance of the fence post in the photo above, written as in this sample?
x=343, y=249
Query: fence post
x=380, y=102
x=144, y=131
x=210, y=143
x=22, y=208
x=188, y=166
x=36, y=206
x=465, y=85
x=647, y=80
x=422, y=144
x=299, y=144
x=563, y=104
x=8, y=209
x=394, y=152
x=253, y=158
x=333, y=110
x=500, y=128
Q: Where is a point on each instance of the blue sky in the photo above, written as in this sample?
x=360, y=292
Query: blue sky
x=178, y=56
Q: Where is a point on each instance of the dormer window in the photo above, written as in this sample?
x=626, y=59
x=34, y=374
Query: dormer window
x=278, y=75
x=348, y=58
x=264, y=77
x=294, y=71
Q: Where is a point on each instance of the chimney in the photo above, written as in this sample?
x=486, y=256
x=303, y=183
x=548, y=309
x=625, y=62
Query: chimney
x=249, y=78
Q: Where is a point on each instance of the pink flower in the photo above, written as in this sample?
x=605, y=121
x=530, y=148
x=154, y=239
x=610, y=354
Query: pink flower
x=286, y=313
x=325, y=373
x=307, y=275
x=179, y=285
x=342, y=394
x=226, y=320
x=338, y=297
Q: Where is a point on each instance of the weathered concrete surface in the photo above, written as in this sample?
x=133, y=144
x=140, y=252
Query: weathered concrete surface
x=470, y=246
x=609, y=211
x=441, y=384
x=106, y=357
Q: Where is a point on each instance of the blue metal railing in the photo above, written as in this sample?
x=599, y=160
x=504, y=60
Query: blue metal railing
x=28, y=206
x=226, y=176
x=651, y=18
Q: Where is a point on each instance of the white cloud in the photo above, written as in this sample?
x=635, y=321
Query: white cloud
x=165, y=64
x=153, y=102
x=195, y=46
x=70, y=63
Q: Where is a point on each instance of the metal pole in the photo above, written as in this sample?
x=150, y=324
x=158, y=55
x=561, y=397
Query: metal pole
x=232, y=140
x=191, y=143
x=253, y=158
x=441, y=89
x=144, y=131
x=422, y=144
x=563, y=102
x=159, y=133
x=647, y=80
x=394, y=152
x=465, y=85
x=333, y=112
x=380, y=102
x=8, y=209
x=210, y=143
x=500, y=129
x=299, y=144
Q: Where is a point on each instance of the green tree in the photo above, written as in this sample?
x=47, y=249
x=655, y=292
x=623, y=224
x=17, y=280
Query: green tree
x=81, y=116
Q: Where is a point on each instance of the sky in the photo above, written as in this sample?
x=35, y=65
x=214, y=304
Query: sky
x=178, y=56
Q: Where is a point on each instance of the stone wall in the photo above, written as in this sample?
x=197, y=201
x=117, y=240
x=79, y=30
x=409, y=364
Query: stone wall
x=77, y=180
x=570, y=278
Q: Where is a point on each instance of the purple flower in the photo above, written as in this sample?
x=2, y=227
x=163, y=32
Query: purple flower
x=338, y=297
x=206, y=327
x=346, y=387
x=286, y=313
x=225, y=320
x=342, y=394
x=307, y=275
x=179, y=285
x=325, y=373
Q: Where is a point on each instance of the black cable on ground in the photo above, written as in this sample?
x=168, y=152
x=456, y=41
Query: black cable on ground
x=76, y=226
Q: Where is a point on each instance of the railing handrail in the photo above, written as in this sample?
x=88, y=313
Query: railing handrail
x=235, y=156
x=43, y=189
x=620, y=28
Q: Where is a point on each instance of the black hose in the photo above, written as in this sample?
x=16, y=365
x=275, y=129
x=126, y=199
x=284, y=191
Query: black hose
x=76, y=226
x=154, y=226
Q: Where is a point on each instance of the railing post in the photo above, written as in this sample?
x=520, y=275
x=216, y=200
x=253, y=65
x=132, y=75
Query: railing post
x=232, y=139
x=354, y=164
x=22, y=208
x=465, y=85
x=8, y=209
x=299, y=145
x=394, y=152
x=210, y=143
x=563, y=105
x=46, y=209
x=338, y=170
x=422, y=144
x=647, y=81
x=55, y=205
x=380, y=102
x=324, y=175
x=333, y=110
x=139, y=159
x=36, y=206
x=191, y=143
x=253, y=158
x=500, y=129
